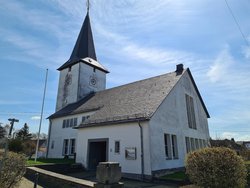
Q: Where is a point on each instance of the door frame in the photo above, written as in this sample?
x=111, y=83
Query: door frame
x=97, y=140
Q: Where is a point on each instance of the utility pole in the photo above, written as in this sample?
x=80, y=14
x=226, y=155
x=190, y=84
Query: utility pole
x=12, y=121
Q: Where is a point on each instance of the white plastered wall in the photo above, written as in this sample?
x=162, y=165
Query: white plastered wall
x=171, y=118
x=129, y=136
x=58, y=134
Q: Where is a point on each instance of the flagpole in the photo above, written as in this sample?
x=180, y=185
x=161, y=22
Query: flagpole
x=41, y=117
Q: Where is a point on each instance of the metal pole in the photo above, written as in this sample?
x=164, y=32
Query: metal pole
x=41, y=117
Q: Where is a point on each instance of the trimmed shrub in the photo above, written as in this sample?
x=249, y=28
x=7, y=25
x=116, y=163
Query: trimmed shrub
x=216, y=167
x=12, y=169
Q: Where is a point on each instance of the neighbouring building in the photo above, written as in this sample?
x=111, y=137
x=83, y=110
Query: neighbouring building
x=147, y=126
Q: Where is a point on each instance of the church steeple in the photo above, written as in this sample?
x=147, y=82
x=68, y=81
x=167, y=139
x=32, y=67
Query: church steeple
x=82, y=74
x=84, y=48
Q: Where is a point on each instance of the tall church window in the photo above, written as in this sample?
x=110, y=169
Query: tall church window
x=167, y=146
x=65, y=146
x=174, y=146
x=187, y=144
x=190, y=112
x=72, y=146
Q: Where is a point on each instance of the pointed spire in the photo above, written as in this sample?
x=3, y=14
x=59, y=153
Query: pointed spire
x=84, y=46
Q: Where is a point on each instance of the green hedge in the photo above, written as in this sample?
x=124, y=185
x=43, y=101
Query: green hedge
x=216, y=167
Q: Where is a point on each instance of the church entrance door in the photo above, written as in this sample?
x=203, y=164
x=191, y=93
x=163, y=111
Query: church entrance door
x=97, y=152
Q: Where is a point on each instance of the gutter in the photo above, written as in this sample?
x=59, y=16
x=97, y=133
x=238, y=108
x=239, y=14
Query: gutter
x=142, y=152
x=48, y=141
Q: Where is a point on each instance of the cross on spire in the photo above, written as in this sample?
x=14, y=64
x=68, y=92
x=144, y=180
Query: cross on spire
x=88, y=5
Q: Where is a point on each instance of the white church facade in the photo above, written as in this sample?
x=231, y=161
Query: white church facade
x=147, y=126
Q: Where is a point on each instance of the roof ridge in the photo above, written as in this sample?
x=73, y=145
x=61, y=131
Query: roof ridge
x=140, y=81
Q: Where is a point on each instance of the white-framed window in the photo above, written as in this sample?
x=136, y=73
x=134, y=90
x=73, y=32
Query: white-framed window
x=65, y=146
x=117, y=147
x=64, y=123
x=171, y=147
x=75, y=122
x=192, y=144
x=72, y=146
x=190, y=112
x=197, y=143
x=69, y=122
x=204, y=143
x=84, y=118
x=167, y=143
x=200, y=143
x=187, y=144
x=174, y=146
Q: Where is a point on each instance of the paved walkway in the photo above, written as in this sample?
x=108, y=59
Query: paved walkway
x=25, y=183
x=88, y=176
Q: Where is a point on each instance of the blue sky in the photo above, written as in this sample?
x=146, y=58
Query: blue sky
x=134, y=39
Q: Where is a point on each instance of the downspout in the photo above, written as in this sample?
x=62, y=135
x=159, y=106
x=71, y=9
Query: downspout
x=142, y=152
x=48, y=143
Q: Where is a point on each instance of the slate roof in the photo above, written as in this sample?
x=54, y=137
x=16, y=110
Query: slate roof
x=84, y=50
x=130, y=102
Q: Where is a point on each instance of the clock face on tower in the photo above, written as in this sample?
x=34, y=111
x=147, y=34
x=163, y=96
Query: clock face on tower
x=92, y=80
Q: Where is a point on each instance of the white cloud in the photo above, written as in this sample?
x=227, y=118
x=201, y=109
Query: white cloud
x=220, y=67
x=35, y=118
x=155, y=56
x=228, y=135
x=236, y=136
x=246, y=52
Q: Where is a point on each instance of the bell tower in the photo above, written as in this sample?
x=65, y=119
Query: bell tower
x=82, y=74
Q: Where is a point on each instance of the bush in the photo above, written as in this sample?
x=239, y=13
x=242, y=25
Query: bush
x=15, y=145
x=13, y=169
x=29, y=148
x=216, y=167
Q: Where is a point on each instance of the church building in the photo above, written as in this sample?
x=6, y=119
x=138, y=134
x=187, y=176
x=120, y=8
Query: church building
x=148, y=126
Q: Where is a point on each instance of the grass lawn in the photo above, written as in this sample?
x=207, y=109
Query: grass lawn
x=32, y=162
x=177, y=176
